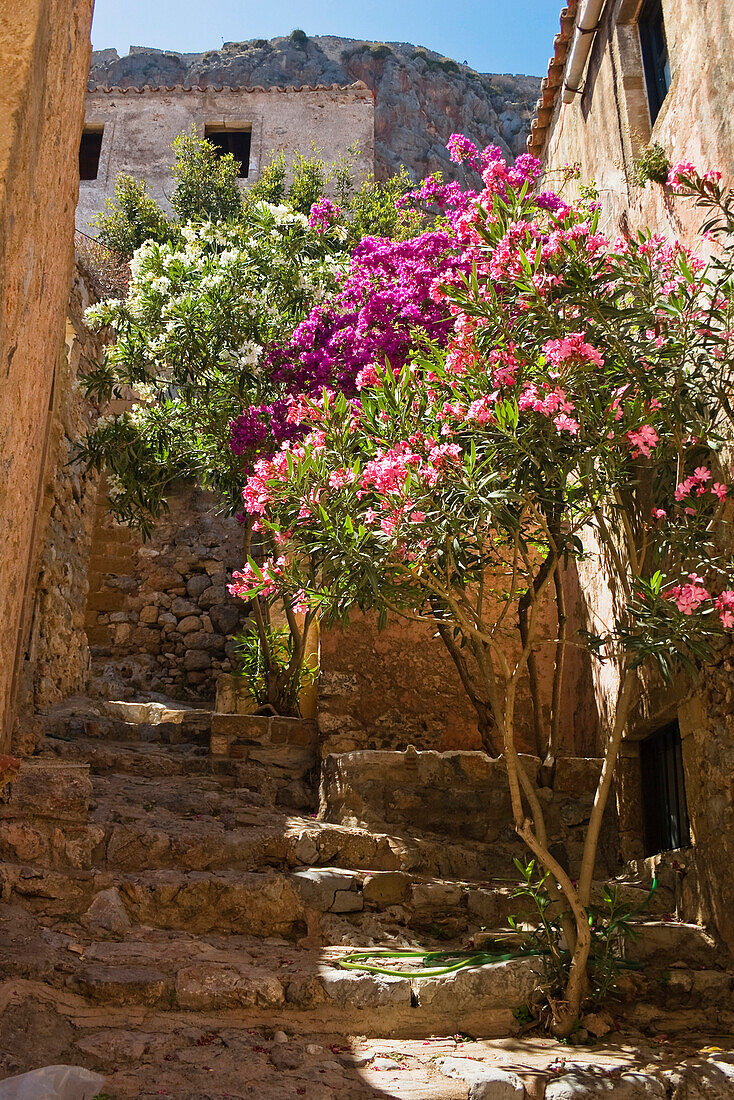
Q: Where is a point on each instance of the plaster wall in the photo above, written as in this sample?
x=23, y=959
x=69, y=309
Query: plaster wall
x=608, y=125
x=140, y=124
x=44, y=59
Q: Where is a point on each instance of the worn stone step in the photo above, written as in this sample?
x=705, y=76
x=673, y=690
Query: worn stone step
x=136, y=759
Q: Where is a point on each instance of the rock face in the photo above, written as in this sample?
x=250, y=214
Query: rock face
x=421, y=98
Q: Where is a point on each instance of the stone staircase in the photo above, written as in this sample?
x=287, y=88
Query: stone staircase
x=171, y=900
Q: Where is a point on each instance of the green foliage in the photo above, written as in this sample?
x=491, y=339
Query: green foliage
x=299, y=38
x=373, y=213
x=130, y=218
x=270, y=187
x=652, y=164
x=379, y=50
x=206, y=182
x=262, y=656
x=543, y=935
x=309, y=179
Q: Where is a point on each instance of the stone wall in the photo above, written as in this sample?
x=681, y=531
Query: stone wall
x=604, y=131
x=159, y=616
x=397, y=687
x=56, y=655
x=140, y=125
x=464, y=797
x=420, y=97
x=44, y=58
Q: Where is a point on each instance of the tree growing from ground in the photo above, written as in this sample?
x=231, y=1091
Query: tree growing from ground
x=577, y=418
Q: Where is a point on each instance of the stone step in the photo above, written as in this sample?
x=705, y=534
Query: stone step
x=331, y=905
x=267, y=980
x=133, y=759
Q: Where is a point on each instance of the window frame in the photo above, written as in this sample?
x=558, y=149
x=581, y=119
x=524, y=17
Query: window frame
x=655, y=55
x=222, y=134
x=91, y=130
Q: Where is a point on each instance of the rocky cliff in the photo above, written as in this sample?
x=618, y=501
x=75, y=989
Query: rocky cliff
x=421, y=98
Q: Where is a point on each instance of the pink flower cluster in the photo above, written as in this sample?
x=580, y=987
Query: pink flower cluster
x=323, y=214
x=724, y=604
x=688, y=597
x=697, y=484
x=680, y=174
x=246, y=582
x=572, y=350
x=643, y=440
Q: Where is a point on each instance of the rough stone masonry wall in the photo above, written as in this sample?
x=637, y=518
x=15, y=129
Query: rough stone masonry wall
x=140, y=125
x=159, y=617
x=56, y=655
x=44, y=58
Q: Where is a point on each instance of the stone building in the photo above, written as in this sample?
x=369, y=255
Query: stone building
x=625, y=75
x=131, y=130
x=42, y=69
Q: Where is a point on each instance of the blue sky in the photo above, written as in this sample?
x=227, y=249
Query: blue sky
x=500, y=36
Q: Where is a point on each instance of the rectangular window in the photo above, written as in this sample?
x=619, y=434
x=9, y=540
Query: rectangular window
x=664, y=811
x=654, y=55
x=89, y=150
x=234, y=141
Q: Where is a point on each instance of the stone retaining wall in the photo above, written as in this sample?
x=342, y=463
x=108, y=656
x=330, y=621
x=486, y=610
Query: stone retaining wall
x=464, y=795
x=159, y=617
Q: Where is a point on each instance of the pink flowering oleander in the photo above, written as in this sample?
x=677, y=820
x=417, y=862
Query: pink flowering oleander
x=572, y=349
x=323, y=214
x=724, y=604
x=679, y=173
x=688, y=597
x=643, y=440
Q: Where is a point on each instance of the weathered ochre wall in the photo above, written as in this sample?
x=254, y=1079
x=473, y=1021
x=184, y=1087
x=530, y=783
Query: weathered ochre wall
x=606, y=128
x=140, y=125
x=44, y=57
x=399, y=686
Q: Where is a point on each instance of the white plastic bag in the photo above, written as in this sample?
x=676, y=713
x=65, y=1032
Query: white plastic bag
x=53, y=1083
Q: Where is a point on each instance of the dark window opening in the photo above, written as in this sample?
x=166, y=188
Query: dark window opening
x=664, y=811
x=89, y=150
x=655, y=58
x=236, y=142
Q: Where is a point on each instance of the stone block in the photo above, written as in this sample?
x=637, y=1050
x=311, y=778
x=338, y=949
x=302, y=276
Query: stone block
x=485, y=1082
x=49, y=789
x=501, y=985
x=355, y=991
x=183, y=608
x=586, y=1084
x=197, y=584
x=382, y=888
x=210, y=985
x=703, y=1078
x=195, y=660
x=189, y=624
x=107, y=912
x=326, y=889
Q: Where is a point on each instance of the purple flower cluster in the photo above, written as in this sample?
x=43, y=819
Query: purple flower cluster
x=323, y=214
x=384, y=297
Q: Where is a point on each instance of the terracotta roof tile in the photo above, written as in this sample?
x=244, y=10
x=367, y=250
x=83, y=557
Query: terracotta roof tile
x=118, y=89
x=551, y=84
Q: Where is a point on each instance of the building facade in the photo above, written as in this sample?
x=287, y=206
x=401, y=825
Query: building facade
x=627, y=76
x=131, y=130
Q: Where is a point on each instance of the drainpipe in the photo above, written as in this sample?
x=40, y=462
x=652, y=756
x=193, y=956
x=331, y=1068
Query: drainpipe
x=587, y=25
